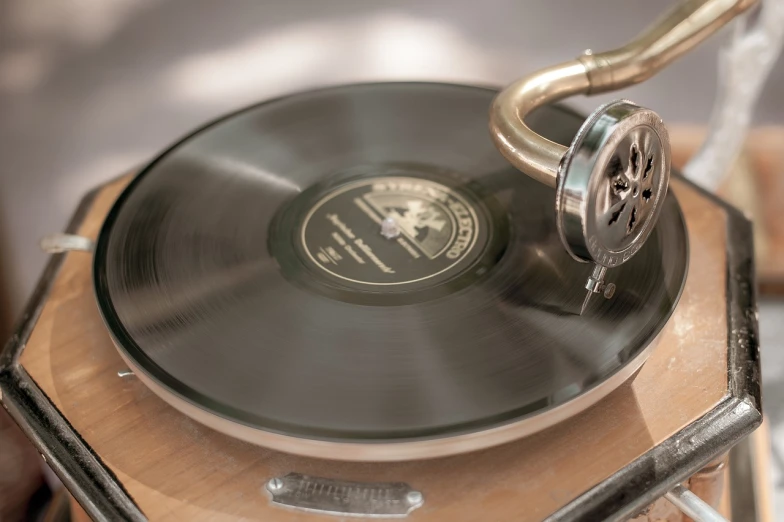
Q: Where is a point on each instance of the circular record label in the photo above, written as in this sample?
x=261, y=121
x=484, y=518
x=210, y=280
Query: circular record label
x=393, y=231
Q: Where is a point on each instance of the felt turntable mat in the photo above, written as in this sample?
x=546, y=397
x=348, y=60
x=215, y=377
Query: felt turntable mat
x=222, y=271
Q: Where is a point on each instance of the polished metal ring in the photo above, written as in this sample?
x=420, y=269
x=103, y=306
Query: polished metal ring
x=612, y=182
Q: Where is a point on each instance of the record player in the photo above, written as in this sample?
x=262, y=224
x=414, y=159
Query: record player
x=356, y=301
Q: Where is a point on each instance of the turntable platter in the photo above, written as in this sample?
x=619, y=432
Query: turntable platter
x=357, y=273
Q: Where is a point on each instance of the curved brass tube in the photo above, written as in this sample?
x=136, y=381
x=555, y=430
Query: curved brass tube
x=688, y=24
x=525, y=149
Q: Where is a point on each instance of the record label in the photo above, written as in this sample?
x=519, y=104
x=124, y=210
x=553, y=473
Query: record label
x=393, y=230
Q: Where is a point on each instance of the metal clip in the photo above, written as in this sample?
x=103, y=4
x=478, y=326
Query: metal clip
x=59, y=243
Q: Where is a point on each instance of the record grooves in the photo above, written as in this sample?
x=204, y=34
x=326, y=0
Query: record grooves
x=243, y=274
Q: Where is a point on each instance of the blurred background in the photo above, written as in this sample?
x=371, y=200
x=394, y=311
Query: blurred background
x=91, y=89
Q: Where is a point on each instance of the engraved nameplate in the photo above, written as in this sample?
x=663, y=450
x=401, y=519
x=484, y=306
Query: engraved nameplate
x=338, y=497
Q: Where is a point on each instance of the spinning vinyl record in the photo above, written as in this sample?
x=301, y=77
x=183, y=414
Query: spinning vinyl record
x=357, y=273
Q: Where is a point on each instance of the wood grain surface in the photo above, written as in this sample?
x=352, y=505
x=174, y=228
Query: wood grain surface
x=176, y=469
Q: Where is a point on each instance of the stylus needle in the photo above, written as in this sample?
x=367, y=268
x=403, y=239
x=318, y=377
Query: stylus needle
x=595, y=285
x=585, y=302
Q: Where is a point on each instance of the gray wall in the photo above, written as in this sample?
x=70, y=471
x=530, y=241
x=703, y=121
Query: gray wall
x=90, y=88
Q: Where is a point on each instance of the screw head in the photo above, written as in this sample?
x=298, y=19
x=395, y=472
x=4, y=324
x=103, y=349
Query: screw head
x=414, y=497
x=275, y=484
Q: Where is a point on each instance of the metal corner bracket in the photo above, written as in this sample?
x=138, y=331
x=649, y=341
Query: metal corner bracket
x=87, y=478
x=652, y=475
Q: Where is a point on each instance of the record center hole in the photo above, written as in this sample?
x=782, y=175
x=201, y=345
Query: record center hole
x=616, y=214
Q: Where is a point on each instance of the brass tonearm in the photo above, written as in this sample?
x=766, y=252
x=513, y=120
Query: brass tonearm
x=610, y=180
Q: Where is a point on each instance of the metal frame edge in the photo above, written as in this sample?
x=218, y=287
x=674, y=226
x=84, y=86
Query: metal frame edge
x=88, y=479
x=627, y=492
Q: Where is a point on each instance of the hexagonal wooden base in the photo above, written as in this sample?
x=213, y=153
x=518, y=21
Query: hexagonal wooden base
x=175, y=469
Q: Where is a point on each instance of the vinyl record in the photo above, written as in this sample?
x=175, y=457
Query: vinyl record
x=357, y=273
